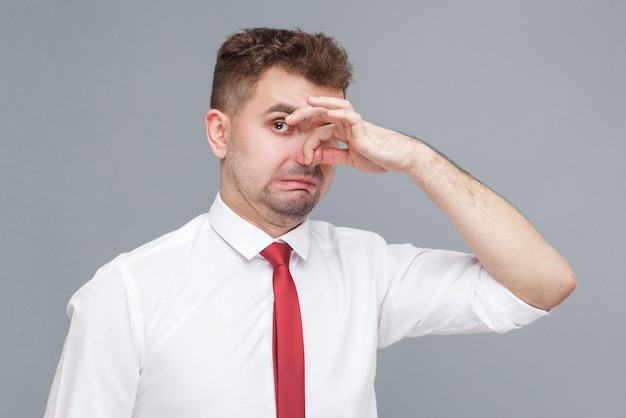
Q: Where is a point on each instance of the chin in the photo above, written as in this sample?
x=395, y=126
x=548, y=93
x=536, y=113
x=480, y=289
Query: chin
x=295, y=207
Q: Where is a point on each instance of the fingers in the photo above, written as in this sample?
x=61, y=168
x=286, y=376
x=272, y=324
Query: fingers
x=319, y=138
x=321, y=107
x=339, y=123
x=329, y=102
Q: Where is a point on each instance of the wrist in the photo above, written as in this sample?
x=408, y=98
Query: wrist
x=419, y=157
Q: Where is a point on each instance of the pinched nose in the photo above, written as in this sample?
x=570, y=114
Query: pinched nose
x=316, y=158
x=312, y=137
x=312, y=152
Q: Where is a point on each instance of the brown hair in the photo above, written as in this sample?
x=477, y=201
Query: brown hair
x=246, y=55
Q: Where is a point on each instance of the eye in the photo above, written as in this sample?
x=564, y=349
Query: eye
x=281, y=127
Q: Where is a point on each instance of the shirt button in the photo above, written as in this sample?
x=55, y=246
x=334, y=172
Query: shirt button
x=271, y=298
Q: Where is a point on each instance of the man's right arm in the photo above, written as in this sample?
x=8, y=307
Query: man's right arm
x=98, y=372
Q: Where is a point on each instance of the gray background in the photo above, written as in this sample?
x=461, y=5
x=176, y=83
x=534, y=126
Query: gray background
x=103, y=148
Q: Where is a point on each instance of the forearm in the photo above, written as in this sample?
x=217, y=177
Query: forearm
x=503, y=240
x=506, y=244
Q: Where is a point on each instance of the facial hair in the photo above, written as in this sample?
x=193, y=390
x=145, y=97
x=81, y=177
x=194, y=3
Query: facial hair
x=299, y=205
x=288, y=209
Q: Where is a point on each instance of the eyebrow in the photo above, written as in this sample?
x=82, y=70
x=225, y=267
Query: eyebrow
x=282, y=108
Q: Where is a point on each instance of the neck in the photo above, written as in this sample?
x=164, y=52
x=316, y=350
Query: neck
x=271, y=222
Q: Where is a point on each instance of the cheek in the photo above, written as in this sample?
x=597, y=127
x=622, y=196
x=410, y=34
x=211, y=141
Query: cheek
x=248, y=155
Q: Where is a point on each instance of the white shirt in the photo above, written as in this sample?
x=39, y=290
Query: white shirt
x=182, y=326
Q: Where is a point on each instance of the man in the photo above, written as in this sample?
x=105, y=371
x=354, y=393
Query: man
x=189, y=325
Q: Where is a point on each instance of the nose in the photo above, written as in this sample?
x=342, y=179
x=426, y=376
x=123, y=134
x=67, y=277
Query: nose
x=307, y=129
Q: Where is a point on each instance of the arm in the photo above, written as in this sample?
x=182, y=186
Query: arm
x=503, y=240
x=98, y=372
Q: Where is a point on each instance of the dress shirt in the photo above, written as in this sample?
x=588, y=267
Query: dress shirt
x=182, y=326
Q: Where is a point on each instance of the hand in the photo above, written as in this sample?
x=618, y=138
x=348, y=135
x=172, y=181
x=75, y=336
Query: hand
x=505, y=243
x=368, y=147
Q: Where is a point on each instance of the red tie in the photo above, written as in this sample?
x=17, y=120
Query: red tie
x=287, y=345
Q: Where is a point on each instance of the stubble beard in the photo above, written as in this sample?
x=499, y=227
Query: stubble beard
x=286, y=208
x=297, y=204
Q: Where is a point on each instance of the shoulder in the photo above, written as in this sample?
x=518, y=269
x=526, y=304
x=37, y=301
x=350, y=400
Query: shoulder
x=164, y=247
x=362, y=245
x=327, y=234
x=370, y=248
x=155, y=258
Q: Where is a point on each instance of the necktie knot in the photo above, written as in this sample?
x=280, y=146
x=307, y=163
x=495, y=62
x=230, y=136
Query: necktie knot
x=277, y=254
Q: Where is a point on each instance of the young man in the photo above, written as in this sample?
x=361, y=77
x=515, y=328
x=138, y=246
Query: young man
x=191, y=324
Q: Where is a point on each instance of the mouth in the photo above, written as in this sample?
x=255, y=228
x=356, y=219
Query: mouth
x=305, y=183
x=299, y=179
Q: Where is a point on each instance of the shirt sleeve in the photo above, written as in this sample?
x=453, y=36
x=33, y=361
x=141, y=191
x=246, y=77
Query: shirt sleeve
x=98, y=372
x=439, y=292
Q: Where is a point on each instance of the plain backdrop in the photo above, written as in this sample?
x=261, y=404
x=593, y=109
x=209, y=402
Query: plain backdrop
x=102, y=149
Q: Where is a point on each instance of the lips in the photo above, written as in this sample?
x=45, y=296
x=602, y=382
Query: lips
x=299, y=178
x=298, y=183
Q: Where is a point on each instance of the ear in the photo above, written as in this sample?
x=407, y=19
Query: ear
x=217, y=127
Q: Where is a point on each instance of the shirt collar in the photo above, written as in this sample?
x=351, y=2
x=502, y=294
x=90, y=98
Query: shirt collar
x=249, y=240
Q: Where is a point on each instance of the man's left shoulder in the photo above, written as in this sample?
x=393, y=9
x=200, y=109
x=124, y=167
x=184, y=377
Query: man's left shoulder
x=342, y=235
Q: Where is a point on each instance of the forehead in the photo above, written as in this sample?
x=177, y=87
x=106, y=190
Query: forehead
x=279, y=89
